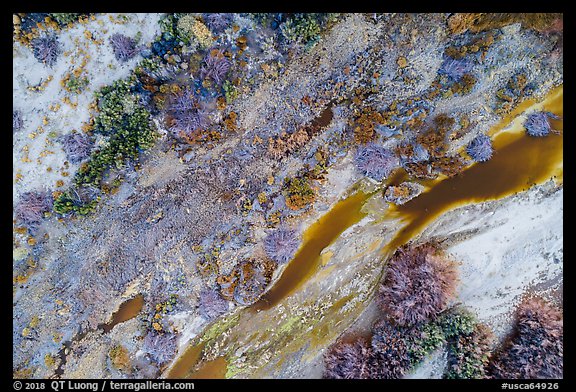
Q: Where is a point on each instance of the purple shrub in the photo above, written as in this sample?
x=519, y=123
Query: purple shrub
x=77, y=146
x=215, y=66
x=455, y=68
x=46, y=49
x=32, y=206
x=348, y=360
x=480, y=149
x=217, y=22
x=161, y=347
x=185, y=113
x=16, y=120
x=375, y=161
x=537, y=123
x=212, y=304
x=536, y=349
x=281, y=245
x=418, y=284
x=124, y=47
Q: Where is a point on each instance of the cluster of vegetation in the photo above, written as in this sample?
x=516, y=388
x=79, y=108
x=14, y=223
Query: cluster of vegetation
x=75, y=84
x=413, y=297
x=535, y=350
x=129, y=131
x=65, y=18
x=297, y=28
x=517, y=88
x=247, y=281
x=77, y=146
x=160, y=347
x=476, y=22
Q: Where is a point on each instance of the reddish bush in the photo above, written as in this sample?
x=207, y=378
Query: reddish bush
x=348, y=360
x=418, y=284
x=536, y=349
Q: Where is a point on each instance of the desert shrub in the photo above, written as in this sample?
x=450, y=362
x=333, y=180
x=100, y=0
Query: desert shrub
x=124, y=47
x=348, y=360
x=375, y=161
x=17, y=121
x=126, y=143
x=397, y=349
x=538, y=124
x=77, y=146
x=215, y=66
x=468, y=353
x=480, y=149
x=391, y=349
x=185, y=114
x=46, y=49
x=281, y=245
x=251, y=282
x=32, y=206
x=217, y=22
x=298, y=192
x=75, y=84
x=161, y=347
x=120, y=358
x=457, y=321
x=212, y=304
x=455, y=68
x=536, y=349
x=418, y=284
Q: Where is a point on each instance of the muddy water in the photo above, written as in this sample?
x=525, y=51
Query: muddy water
x=317, y=237
x=127, y=311
x=215, y=368
x=186, y=362
x=519, y=162
x=268, y=332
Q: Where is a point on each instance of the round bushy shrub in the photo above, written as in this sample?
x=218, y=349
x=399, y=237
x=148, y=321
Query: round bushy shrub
x=217, y=22
x=212, y=304
x=124, y=47
x=375, y=161
x=77, y=146
x=281, y=245
x=538, y=124
x=185, y=113
x=480, y=149
x=418, y=284
x=46, y=49
x=536, y=349
x=348, y=360
x=32, y=206
x=215, y=66
x=161, y=347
